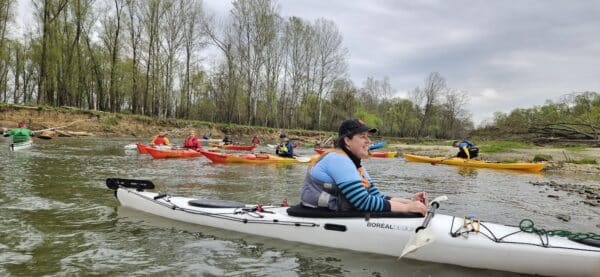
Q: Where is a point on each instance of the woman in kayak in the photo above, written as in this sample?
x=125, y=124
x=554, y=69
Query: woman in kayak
x=160, y=139
x=339, y=182
x=192, y=142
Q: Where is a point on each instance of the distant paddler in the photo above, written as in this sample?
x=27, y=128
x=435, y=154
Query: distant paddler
x=160, y=139
x=20, y=134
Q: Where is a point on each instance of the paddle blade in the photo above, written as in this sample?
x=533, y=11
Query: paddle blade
x=418, y=240
x=115, y=183
x=42, y=137
x=303, y=159
x=130, y=146
x=439, y=199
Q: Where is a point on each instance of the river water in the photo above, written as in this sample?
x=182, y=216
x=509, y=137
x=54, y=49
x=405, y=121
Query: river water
x=58, y=218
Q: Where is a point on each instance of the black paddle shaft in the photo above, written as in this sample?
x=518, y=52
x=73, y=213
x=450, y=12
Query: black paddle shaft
x=430, y=214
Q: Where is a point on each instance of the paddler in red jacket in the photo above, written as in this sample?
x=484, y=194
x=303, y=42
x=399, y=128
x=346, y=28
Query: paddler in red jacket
x=192, y=141
x=160, y=139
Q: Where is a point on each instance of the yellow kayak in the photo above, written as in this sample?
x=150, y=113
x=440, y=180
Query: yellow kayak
x=474, y=163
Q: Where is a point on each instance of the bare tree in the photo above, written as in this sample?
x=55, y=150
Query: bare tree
x=111, y=39
x=454, y=112
x=135, y=25
x=220, y=35
x=5, y=48
x=427, y=98
x=331, y=61
x=193, y=38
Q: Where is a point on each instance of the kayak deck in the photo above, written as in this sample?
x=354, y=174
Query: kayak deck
x=217, y=157
x=534, y=167
x=172, y=153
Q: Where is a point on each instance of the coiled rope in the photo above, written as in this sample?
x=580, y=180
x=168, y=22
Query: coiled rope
x=527, y=226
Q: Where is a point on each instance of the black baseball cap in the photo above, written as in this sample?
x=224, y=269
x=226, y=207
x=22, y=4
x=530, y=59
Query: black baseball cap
x=354, y=126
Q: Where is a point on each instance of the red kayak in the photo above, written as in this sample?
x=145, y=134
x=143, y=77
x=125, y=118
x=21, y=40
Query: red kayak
x=234, y=146
x=217, y=157
x=142, y=148
x=172, y=153
x=389, y=154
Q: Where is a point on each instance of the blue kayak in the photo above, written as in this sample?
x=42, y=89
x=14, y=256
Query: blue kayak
x=377, y=145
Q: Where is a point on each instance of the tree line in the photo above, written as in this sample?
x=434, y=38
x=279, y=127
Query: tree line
x=173, y=59
x=574, y=118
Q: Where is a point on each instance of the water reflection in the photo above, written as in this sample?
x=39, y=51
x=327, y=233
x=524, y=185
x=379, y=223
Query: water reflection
x=468, y=172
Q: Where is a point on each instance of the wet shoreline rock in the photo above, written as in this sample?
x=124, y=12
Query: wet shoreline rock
x=591, y=194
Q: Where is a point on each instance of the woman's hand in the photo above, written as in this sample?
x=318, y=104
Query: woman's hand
x=408, y=207
x=420, y=197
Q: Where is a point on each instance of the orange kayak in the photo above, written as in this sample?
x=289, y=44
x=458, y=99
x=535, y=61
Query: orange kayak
x=217, y=157
x=172, y=153
x=389, y=154
x=233, y=146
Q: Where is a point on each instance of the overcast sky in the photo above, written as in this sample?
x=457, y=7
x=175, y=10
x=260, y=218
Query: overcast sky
x=503, y=54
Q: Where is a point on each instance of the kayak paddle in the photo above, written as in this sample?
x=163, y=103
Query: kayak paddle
x=423, y=236
x=437, y=162
x=302, y=159
x=115, y=183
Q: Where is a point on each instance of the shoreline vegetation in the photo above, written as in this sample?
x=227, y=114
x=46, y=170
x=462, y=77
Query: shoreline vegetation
x=67, y=121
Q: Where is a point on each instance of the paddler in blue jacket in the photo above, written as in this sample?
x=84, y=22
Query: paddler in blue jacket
x=285, y=147
x=339, y=182
x=466, y=149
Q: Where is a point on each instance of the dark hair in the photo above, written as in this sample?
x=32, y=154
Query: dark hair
x=340, y=143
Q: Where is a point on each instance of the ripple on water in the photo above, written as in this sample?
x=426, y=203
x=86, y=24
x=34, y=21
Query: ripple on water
x=17, y=235
x=35, y=203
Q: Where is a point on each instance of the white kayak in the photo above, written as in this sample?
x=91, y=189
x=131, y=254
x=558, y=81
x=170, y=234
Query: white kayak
x=478, y=245
x=20, y=145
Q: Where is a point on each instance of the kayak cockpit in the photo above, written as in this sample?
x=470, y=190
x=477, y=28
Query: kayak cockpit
x=302, y=211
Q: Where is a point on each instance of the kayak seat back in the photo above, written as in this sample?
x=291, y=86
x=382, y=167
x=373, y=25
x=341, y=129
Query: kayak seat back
x=212, y=203
x=303, y=211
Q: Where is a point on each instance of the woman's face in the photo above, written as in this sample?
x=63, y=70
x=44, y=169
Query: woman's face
x=359, y=144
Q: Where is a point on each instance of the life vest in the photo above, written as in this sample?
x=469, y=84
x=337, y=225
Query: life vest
x=470, y=151
x=283, y=148
x=21, y=135
x=190, y=142
x=315, y=194
x=160, y=140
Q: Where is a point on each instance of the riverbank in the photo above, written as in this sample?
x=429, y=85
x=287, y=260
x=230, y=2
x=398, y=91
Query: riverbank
x=74, y=122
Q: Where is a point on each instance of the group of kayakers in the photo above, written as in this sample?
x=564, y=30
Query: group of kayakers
x=337, y=180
